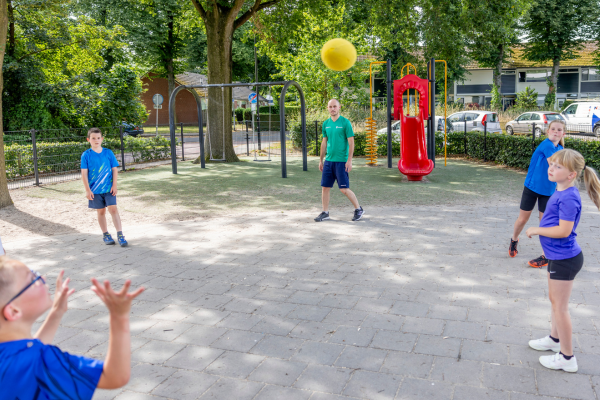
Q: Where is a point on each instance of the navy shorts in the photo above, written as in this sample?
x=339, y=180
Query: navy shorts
x=567, y=269
x=529, y=198
x=335, y=171
x=102, y=200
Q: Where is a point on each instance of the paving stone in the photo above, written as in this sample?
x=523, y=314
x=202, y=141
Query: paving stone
x=310, y=313
x=485, y=351
x=308, y=298
x=276, y=309
x=408, y=364
x=277, y=346
x=278, y=372
x=504, y=377
x=323, y=379
x=338, y=301
x=185, y=385
x=127, y=395
x=275, y=325
x=318, y=353
x=442, y=311
x=423, y=325
x=374, y=305
x=476, y=393
x=361, y=358
x=372, y=385
x=461, y=372
x=227, y=389
x=410, y=308
x=589, y=343
x=194, y=358
x=345, y=317
x=238, y=340
x=206, y=317
x=274, y=294
x=383, y=321
x=271, y=392
x=564, y=384
x=201, y=335
x=313, y=330
x=509, y=334
x=588, y=364
x=417, y=389
x=390, y=340
x=353, y=336
x=465, y=330
x=438, y=346
x=145, y=377
x=212, y=301
x=241, y=321
x=156, y=352
x=497, y=317
x=327, y=396
x=527, y=396
x=234, y=365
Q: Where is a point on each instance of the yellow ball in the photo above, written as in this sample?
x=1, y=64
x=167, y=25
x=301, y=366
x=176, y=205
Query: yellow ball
x=338, y=54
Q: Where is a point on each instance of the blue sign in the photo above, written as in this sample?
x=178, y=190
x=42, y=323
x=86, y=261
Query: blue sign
x=252, y=98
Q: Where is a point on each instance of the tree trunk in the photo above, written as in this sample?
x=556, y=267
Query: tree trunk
x=5, y=199
x=498, y=69
x=11, y=28
x=219, y=140
x=171, y=84
x=554, y=75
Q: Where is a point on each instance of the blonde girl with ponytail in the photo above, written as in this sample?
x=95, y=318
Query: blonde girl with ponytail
x=565, y=259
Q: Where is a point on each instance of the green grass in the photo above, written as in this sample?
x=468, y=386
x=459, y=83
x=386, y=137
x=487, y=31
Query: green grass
x=251, y=186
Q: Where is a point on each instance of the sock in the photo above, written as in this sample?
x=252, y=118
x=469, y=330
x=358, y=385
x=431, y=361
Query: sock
x=326, y=212
x=120, y=233
x=555, y=339
x=106, y=234
x=359, y=207
x=566, y=357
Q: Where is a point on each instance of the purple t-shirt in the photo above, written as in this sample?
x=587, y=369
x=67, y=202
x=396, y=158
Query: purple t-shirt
x=565, y=205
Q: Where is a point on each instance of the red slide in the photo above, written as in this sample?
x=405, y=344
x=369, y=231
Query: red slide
x=414, y=162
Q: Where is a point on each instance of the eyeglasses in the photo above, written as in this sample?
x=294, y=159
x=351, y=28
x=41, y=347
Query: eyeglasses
x=36, y=277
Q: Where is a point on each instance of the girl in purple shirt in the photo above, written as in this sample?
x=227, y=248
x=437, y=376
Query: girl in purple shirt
x=565, y=259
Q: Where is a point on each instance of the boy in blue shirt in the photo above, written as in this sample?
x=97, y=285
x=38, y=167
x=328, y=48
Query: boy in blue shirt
x=538, y=188
x=99, y=175
x=30, y=367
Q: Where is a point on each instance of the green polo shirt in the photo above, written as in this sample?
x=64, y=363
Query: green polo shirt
x=337, y=134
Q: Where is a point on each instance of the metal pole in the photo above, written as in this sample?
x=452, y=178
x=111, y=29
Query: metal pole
x=533, y=138
x=316, y=138
x=200, y=129
x=35, y=158
x=465, y=136
x=182, y=152
x=247, y=143
x=156, y=108
x=257, y=95
x=172, y=125
x=432, y=100
x=389, y=113
x=122, y=149
x=484, y=140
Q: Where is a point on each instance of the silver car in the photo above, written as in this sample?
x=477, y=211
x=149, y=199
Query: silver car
x=524, y=123
x=396, y=127
x=473, y=121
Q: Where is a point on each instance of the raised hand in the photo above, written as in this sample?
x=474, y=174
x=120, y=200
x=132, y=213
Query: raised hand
x=61, y=294
x=118, y=303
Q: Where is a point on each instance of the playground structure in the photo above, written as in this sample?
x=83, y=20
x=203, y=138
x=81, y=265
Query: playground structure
x=370, y=123
x=285, y=84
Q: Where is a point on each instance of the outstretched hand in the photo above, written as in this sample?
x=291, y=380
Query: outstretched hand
x=61, y=294
x=118, y=303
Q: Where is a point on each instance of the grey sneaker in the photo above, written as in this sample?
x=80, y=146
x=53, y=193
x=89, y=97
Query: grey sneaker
x=358, y=214
x=322, y=217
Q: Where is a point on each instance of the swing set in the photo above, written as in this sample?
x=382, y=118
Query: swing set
x=282, y=135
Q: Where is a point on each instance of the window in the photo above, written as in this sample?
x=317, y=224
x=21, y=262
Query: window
x=552, y=117
x=457, y=118
x=567, y=70
x=509, y=72
x=471, y=116
x=492, y=117
x=571, y=110
x=522, y=76
x=590, y=74
x=524, y=117
x=537, y=75
x=535, y=117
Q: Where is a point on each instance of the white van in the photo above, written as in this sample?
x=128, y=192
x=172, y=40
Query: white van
x=579, y=117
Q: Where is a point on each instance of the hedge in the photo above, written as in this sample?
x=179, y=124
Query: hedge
x=66, y=156
x=510, y=150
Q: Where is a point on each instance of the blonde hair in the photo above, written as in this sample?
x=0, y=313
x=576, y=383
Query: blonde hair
x=574, y=162
x=564, y=124
x=7, y=278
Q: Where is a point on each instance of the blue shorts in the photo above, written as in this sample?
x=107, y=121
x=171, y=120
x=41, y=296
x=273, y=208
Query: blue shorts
x=102, y=200
x=335, y=171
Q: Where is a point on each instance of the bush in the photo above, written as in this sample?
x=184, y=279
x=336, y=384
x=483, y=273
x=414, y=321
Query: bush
x=66, y=156
x=526, y=99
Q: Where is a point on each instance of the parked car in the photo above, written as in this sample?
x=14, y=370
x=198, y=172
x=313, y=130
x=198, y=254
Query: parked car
x=524, y=122
x=474, y=121
x=131, y=130
x=396, y=126
x=580, y=117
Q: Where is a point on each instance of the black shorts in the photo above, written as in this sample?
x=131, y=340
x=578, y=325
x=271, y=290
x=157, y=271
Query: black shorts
x=529, y=197
x=565, y=270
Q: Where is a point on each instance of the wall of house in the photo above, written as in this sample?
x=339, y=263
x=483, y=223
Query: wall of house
x=185, y=106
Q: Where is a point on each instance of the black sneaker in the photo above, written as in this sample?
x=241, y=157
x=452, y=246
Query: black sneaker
x=358, y=213
x=539, y=262
x=512, y=249
x=322, y=217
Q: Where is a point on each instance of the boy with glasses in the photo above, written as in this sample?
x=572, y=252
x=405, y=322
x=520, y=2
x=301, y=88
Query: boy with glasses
x=30, y=367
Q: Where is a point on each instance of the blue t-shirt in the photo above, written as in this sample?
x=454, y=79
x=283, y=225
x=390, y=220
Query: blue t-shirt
x=565, y=205
x=32, y=370
x=99, y=166
x=537, y=174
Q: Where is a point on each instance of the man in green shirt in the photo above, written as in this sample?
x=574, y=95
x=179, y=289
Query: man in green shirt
x=337, y=148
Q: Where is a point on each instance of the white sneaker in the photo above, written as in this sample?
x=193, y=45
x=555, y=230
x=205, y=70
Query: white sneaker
x=558, y=361
x=545, y=344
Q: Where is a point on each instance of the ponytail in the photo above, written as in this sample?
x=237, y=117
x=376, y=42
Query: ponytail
x=592, y=184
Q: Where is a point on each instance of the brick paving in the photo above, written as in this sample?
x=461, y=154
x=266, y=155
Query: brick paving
x=410, y=303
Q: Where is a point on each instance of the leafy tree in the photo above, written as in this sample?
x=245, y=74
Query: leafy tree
x=494, y=30
x=526, y=99
x=496, y=102
x=5, y=199
x=556, y=29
